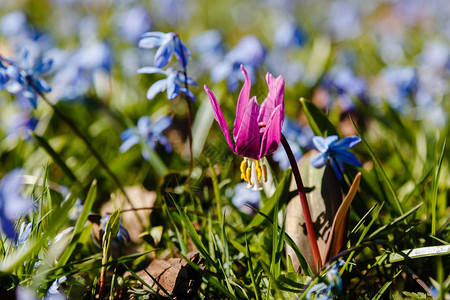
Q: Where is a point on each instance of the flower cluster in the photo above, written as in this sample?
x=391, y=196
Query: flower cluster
x=24, y=76
x=168, y=44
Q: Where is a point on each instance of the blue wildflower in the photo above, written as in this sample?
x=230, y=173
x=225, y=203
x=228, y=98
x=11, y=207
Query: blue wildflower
x=173, y=84
x=25, y=76
x=335, y=151
x=249, y=52
x=167, y=44
x=147, y=132
x=329, y=290
x=244, y=197
x=343, y=21
x=12, y=204
x=20, y=124
x=298, y=137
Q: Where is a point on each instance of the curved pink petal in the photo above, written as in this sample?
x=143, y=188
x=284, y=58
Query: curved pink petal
x=218, y=115
x=273, y=99
x=272, y=133
x=243, y=100
x=248, y=138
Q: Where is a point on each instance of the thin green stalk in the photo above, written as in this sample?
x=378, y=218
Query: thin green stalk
x=304, y=202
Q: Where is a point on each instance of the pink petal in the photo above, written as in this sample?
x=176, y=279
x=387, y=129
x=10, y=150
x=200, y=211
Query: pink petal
x=243, y=100
x=218, y=115
x=272, y=133
x=273, y=99
x=248, y=137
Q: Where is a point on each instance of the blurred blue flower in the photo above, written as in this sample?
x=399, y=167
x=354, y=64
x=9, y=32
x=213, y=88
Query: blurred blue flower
x=24, y=232
x=279, y=62
x=133, y=22
x=147, y=132
x=342, y=82
x=249, y=52
x=343, y=21
x=209, y=46
x=53, y=292
x=122, y=235
x=25, y=76
x=244, y=196
x=20, y=124
x=12, y=204
x=15, y=24
x=289, y=35
x=297, y=137
x=167, y=44
x=396, y=85
x=335, y=151
x=329, y=290
x=76, y=73
x=173, y=84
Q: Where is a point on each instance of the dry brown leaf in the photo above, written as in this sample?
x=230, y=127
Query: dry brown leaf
x=175, y=275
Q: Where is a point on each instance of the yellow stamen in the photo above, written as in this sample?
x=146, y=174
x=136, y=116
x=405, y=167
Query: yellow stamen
x=258, y=171
x=264, y=169
x=243, y=165
x=248, y=179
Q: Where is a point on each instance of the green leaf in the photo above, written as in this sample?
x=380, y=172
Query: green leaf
x=280, y=196
x=417, y=253
x=317, y=120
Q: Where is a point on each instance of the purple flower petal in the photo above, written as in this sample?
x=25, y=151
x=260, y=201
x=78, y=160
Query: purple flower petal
x=273, y=99
x=272, y=134
x=218, y=115
x=150, y=70
x=243, y=100
x=248, y=137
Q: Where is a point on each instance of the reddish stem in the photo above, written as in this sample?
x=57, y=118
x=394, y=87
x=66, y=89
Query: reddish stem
x=304, y=202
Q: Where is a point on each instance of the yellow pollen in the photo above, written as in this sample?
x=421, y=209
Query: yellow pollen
x=258, y=171
x=243, y=165
x=248, y=179
x=264, y=169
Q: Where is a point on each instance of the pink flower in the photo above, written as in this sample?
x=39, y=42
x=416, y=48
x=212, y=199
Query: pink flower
x=257, y=129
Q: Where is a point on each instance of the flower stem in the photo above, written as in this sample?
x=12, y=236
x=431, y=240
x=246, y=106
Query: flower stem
x=191, y=158
x=91, y=149
x=304, y=202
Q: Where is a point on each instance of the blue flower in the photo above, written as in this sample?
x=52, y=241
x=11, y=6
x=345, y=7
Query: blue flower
x=20, y=124
x=335, y=151
x=329, y=290
x=209, y=46
x=173, y=83
x=147, y=132
x=297, y=137
x=24, y=77
x=12, y=204
x=244, y=196
x=249, y=52
x=167, y=44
